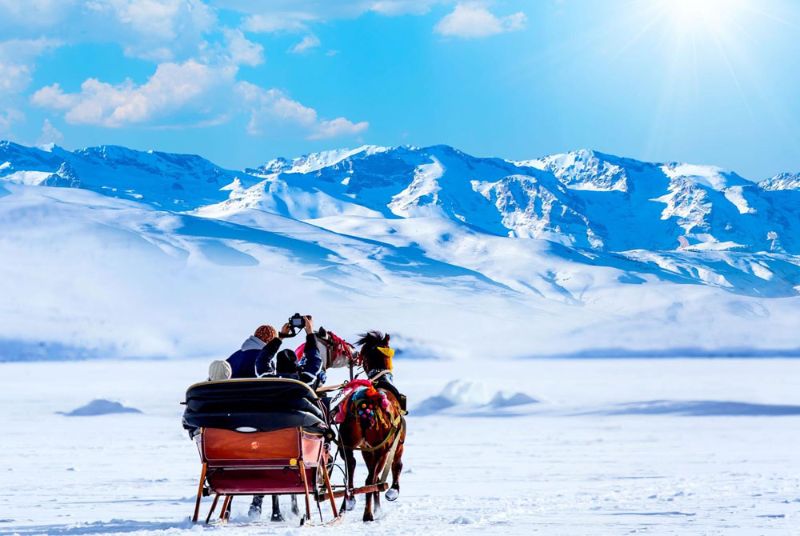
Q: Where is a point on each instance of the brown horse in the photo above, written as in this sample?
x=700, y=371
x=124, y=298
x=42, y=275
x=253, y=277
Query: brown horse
x=378, y=431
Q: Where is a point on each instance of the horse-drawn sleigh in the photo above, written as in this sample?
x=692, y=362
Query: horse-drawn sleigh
x=278, y=436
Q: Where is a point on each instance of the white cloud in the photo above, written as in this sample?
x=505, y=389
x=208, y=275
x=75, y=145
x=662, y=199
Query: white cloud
x=14, y=77
x=50, y=134
x=156, y=29
x=242, y=51
x=336, y=128
x=195, y=79
x=473, y=19
x=175, y=90
x=272, y=108
x=291, y=21
x=17, y=57
x=233, y=49
x=298, y=15
x=17, y=64
x=175, y=30
x=272, y=105
x=17, y=17
x=401, y=7
x=193, y=92
x=8, y=117
x=179, y=93
x=307, y=43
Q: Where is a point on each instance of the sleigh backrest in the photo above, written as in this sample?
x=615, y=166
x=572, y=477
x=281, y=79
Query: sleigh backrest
x=220, y=448
x=262, y=405
x=260, y=463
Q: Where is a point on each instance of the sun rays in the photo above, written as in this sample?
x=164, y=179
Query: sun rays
x=702, y=46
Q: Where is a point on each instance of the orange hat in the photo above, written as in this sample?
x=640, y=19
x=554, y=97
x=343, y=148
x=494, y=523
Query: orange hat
x=266, y=333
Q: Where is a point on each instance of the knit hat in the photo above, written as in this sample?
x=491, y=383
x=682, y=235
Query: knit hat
x=219, y=370
x=266, y=333
x=286, y=362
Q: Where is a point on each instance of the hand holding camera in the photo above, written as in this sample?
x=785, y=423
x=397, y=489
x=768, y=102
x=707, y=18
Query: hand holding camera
x=287, y=331
x=298, y=322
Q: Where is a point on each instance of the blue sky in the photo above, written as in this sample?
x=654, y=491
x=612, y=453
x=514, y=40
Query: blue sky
x=239, y=82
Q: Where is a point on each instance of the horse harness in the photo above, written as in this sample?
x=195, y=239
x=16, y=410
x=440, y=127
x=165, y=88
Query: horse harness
x=398, y=426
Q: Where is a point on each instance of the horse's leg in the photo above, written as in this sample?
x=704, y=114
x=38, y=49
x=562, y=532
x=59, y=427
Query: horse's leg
x=376, y=478
x=255, y=507
x=380, y=463
x=397, y=466
x=295, y=509
x=376, y=475
x=349, y=499
x=368, y=516
x=276, y=510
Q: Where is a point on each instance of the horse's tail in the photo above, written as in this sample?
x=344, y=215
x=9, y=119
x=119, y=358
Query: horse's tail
x=369, y=407
x=364, y=422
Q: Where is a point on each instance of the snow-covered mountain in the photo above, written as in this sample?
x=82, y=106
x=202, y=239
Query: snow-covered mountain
x=782, y=181
x=111, y=250
x=585, y=198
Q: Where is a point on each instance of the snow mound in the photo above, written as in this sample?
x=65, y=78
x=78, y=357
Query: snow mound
x=99, y=406
x=507, y=400
x=472, y=398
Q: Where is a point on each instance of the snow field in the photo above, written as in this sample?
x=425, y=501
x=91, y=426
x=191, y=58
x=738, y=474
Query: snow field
x=571, y=463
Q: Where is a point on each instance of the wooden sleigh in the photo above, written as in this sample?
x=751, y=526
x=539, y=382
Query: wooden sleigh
x=272, y=436
x=260, y=437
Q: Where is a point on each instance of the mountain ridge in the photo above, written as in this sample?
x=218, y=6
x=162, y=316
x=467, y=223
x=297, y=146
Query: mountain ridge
x=567, y=194
x=604, y=250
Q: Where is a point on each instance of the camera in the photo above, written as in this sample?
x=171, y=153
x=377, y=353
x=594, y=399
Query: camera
x=297, y=321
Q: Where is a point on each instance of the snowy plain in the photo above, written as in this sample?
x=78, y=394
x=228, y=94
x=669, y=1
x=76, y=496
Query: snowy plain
x=611, y=446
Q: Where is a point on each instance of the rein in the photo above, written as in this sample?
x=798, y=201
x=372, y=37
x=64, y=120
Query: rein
x=380, y=375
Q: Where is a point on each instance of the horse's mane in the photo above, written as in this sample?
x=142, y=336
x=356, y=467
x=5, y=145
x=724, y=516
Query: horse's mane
x=371, y=339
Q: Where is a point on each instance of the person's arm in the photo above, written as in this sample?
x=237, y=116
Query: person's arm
x=264, y=364
x=311, y=364
x=264, y=361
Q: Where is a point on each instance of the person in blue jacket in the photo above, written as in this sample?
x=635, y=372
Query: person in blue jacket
x=257, y=350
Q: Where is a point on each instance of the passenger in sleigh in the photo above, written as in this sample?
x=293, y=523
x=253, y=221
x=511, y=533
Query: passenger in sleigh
x=308, y=369
x=261, y=345
x=376, y=358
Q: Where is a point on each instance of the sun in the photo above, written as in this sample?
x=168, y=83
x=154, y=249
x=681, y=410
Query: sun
x=694, y=16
